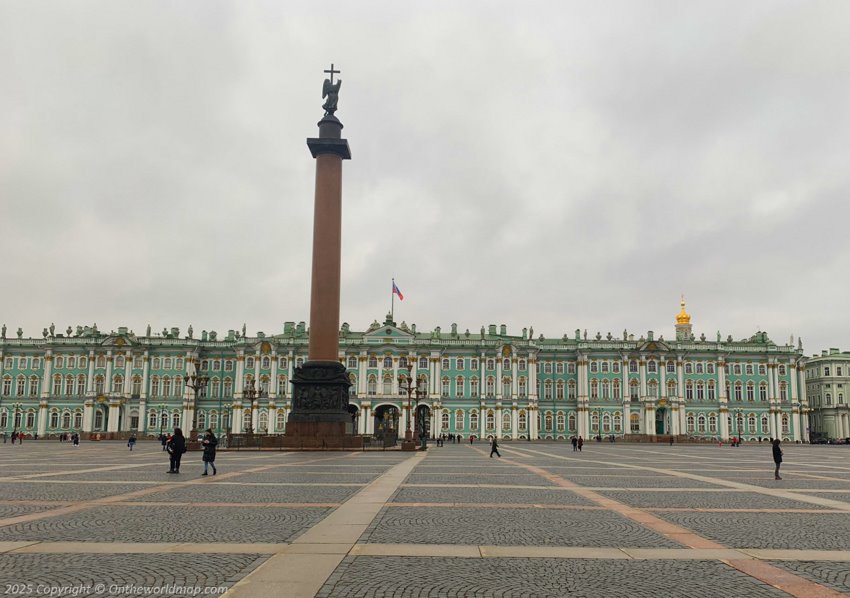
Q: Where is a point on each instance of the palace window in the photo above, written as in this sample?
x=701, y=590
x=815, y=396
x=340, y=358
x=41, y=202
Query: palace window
x=615, y=367
x=388, y=362
x=178, y=364
x=521, y=365
x=710, y=367
x=78, y=419
x=506, y=421
x=698, y=367
x=618, y=423
x=506, y=365
x=762, y=392
x=459, y=363
x=57, y=385
x=547, y=367
x=491, y=386
x=459, y=386
x=594, y=389
x=751, y=423
x=634, y=423
x=712, y=395
x=98, y=385
x=671, y=367
x=700, y=391
x=571, y=367
x=594, y=422
x=751, y=392
x=828, y=398
x=689, y=390
x=737, y=369
x=490, y=421
x=117, y=384
x=266, y=363
x=34, y=386
x=282, y=363
x=712, y=424
x=60, y=363
x=606, y=423
x=547, y=390
x=474, y=388
x=633, y=366
x=765, y=426
x=444, y=420
x=701, y=423
x=671, y=388
x=594, y=367
x=249, y=363
x=445, y=364
x=689, y=368
x=299, y=362
x=782, y=370
x=22, y=363
x=444, y=387
x=506, y=388
x=473, y=420
x=783, y=391
x=652, y=388
x=571, y=390
x=616, y=390
x=749, y=369
x=119, y=363
x=372, y=385
x=352, y=363
x=522, y=421
x=8, y=363
x=738, y=392
x=786, y=428
x=690, y=421
x=651, y=367
x=388, y=385
x=523, y=386
x=606, y=390
x=605, y=367
x=228, y=388
x=762, y=370
x=373, y=361
x=634, y=390
x=283, y=387
x=559, y=390
x=473, y=364
x=559, y=422
x=175, y=420
x=166, y=364
x=571, y=422
x=228, y=365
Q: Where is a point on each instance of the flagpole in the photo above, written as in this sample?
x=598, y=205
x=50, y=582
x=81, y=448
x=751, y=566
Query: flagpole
x=392, y=301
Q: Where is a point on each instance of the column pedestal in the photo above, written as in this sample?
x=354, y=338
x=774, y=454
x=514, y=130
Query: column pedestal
x=320, y=408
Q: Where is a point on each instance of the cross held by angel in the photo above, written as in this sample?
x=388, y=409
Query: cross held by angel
x=330, y=90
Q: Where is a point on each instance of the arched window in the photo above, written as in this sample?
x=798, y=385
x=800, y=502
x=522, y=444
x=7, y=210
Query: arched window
x=606, y=423
x=491, y=364
x=280, y=420
x=712, y=393
x=652, y=388
x=559, y=389
x=618, y=423
x=119, y=361
x=66, y=420
x=423, y=363
x=571, y=390
x=57, y=385
x=616, y=386
x=783, y=392
x=445, y=387
x=491, y=420
x=388, y=363
x=712, y=423
x=634, y=389
x=491, y=386
x=671, y=389
x=765, y=426
x=547, y=421
x=202, y=420
x=594, y=367
x=738, y=391
x=606, y=389
x=444, y=420
x=98, y=420
x=166, y=387
x=474, y=388
x=547, y=390
x=137, y=385
x=98, y=385
x=459, y=420
x=101, y=361
x=249, y=364
x=523, y=386
x=786, y=428
x=604, y=367
x=521, y=365
x=263, y=420
x=689, y=368
x=571, y=422
x=117, y=384
x=594, y=422
x=459, y=386
x=615, y=367
x=751, y=392
x=388, y=385
x=700, y=390
x=689, y=390
x=633, y=366
x=152, y=419
x=54, y=419
x=175, y=420
x=473, y=420
x=373, y=361
x=78, y=419
x=266, y=363
x=522, y=420
x=701, y=423
x=651, y=367
x=228, y=388
x=372, y=385
x=352, y=362
x=594, y=389
x=283, y=386
x=762, y=392
x=690, y=420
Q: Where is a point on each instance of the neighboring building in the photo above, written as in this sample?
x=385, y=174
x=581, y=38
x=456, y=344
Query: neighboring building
x=484, y=383
x=827, y=384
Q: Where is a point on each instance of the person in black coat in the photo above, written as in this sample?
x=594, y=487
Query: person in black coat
x=176, y=447
x=494, y=448
x=777, y=458
x=209, y=443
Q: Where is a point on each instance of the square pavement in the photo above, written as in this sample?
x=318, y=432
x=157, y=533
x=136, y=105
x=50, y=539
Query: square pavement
x=614, y=520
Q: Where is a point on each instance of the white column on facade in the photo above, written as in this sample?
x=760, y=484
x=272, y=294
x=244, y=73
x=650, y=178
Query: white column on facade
x=42, y=418
x=498, y=433
x=362, y=376
x=482, y=420
x=498, y=379
x=112, y=421
x=239, y=383
x=88, y=406
x=273, y=382
x=793, y=371
x=46, y=386
x=128, y=374
x=642, y=366
x=514, y=379
x=532, y=378
x=396, y=388
x=680, y=391
x=90, y=381
x=146, y=369
x=107, y=382
x=380, y=388
x=438, y=375
x=143, y=422
x=482, y=377
x=514, y=422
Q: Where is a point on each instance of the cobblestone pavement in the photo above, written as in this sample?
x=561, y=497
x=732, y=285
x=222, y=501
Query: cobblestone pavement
x=437, y=577
x=614, y=520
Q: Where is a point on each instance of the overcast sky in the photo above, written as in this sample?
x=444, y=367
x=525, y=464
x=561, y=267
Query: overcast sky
x=558, y=164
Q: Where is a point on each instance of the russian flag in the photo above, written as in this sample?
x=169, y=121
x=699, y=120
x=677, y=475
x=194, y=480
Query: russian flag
x=397, y=292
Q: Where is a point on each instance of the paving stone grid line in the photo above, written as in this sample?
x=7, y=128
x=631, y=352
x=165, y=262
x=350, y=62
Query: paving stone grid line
x=732, y=487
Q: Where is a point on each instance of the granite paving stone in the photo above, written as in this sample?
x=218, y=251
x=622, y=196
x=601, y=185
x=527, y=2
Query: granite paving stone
x=170, y=524
x=835, y=575
x=706, y=500
x=242, y=493
x=451, y=494
x=159, y=573
x=438, y=577
x=509, y=527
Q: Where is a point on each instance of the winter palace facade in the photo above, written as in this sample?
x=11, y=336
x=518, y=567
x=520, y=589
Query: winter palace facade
x=482, y=383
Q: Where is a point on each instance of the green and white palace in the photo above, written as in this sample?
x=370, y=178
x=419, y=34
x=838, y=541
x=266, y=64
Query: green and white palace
x=483, y=383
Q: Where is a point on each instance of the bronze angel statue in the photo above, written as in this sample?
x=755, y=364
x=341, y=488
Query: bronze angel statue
x=330, y=91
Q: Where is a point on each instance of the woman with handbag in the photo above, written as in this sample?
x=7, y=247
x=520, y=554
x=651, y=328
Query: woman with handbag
x=176, y=447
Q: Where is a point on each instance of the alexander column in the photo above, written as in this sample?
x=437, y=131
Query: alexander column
x=320, y=387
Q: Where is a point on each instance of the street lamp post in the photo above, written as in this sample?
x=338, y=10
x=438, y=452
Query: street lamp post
x=405, y=384
x=251, y=393
x=197, y=382
x=17, y=423
x=738, y=418
x=161, y=422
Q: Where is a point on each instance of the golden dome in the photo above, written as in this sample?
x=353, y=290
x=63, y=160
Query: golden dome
x=683, y=317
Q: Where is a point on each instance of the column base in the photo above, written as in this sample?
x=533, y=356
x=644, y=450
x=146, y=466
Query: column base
x=319, y=416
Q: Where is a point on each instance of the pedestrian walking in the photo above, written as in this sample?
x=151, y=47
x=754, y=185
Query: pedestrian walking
x=574, y=442
x=580, y=443
x=209, y=443
x=132, y=441
x=494, y=448
x=163, y=439
x=175, y=447
x=777, y=458
x=75, y=439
